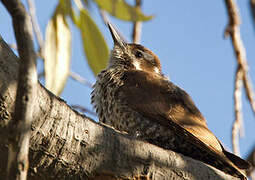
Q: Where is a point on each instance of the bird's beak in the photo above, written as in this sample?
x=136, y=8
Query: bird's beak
x=118, y=40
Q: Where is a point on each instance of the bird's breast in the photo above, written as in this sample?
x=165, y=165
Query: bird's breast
x=110, y=107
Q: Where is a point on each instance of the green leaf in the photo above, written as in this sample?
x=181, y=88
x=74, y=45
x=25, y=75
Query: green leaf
x=64, y=7
x=57, y=52
x=122, y=10
x=94, y=45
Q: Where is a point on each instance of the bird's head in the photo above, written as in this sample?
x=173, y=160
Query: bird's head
x=132, y=56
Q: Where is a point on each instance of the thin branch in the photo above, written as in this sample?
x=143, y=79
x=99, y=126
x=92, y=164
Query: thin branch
x=20, y=126
x=74, y=76
x=36, y=27
x=137, y=27
x=238, y=110
x=104, y=16
x=83, y=109
x=80, y=79
x=233, y=29
x=249, y=91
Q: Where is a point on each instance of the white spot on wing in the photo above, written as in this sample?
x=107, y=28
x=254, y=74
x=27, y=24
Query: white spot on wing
x=137, y=65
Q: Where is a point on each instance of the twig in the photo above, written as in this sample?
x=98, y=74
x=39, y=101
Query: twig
x=233, y=29
x=74, y=76
x=137, y=27
x=238, y=110
x=249, y=91
x=80, y=79
x=20, y=126
x=38, y=33
x=104, y=16
x=83, y=109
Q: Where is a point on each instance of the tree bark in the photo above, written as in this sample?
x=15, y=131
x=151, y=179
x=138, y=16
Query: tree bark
x=20, y=126
x=65, y=144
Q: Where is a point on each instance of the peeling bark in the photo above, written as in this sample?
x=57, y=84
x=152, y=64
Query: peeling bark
x=67, y=145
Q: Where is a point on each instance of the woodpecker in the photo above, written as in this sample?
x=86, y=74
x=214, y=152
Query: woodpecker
x=134, y=96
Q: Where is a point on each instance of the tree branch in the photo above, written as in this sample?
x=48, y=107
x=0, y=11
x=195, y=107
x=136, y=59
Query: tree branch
x=238, y=110
x=67, y=145
x=104, y=16
x=20, y=126
x=80, y=79
x=233, y=29
x=249, y=91
x=137, y=27
x=38, y=33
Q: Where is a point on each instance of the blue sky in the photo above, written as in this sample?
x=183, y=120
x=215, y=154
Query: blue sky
x=188, y=38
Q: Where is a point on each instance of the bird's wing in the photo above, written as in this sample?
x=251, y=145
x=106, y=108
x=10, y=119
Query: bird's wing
x=154, y=96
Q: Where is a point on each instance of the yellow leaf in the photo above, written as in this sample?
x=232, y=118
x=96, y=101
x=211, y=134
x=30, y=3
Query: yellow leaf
x=122, y=10
x=94, y=45
x=57, y=53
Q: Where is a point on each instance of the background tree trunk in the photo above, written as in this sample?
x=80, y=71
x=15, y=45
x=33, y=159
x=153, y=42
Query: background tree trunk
x=67, y=145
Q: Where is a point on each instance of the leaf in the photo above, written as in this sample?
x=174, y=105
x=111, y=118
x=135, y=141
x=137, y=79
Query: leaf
x=94, y=45
x=122, y=10
x=57, y=52
x=64, y=7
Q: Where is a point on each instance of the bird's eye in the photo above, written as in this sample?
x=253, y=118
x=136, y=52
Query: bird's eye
x=138, y=54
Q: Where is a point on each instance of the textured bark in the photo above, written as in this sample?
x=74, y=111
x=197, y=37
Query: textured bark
x=20, y=126
x=67, y=145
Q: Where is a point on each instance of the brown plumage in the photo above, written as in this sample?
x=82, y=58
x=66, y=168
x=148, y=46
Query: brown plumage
x=132, y=95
